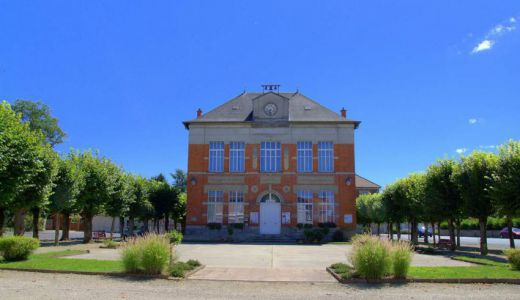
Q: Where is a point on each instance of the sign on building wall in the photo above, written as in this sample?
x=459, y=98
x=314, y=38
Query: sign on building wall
x=286, y=217
x=254, y=217
x=347, y=219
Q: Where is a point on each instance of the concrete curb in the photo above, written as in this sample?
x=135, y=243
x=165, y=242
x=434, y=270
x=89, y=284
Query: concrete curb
x=114, y=274
x=420, y=280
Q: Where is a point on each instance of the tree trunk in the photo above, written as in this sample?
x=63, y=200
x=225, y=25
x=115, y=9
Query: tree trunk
x=36, y=220
x=56, y=229
x=398, y=225
x=65, y=236
x=457, y=223
x=414, y=233
x=510, y=232
x=391, y=230
x=88, y=228
x=183, y=225
x=145, y=225
x=19, y=222
x=122, y=227
x=483, y=236
x=378, y=229
x=2, y=220
x=112, y=226
x=438, y=231
x=433, y=233
x=426, y=233
x=157, y=223
x=451, y=229
x=166, y=223
x=131, y=226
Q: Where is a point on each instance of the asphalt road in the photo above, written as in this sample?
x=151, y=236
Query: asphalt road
x=493, y=243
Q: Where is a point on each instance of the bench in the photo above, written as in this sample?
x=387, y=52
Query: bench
x=99, y=235
x=444, y=243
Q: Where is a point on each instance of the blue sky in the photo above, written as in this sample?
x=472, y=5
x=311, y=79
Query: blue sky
x=425, y=79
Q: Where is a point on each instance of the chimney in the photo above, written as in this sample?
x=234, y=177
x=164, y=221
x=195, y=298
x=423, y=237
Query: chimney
x=199, y=113
x=344, y=113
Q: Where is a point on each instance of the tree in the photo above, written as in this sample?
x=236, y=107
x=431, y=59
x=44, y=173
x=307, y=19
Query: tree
x=370, y=210
x=395, y=205
x=163, y=198
x=180, y=211
x=68, y=183
x=362, y=204
x=415, y=196
x=179, y=180
x=474, y=178
x=121, y=195
x=96, y=191
x=39, y=118
x=22, y=160
x=141, y=208
x=505, y=189
x=443, y=196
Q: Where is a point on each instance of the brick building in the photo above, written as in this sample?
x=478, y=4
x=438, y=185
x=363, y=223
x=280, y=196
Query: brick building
x=270, y=160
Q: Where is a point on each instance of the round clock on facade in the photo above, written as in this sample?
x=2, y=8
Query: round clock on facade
x=270, y=109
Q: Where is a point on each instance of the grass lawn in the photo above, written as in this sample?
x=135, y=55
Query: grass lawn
x=478, y=272
x=498, y=271
x=481, y=261
x=55, y=261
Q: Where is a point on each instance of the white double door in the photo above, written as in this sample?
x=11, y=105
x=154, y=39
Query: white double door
x=270, y=217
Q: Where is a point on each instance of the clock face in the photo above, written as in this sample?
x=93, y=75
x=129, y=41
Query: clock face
x=270, y=109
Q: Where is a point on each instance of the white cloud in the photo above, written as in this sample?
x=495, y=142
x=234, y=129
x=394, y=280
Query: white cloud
x=484, y=45
x=472, y=121
x=461, y=150
x=492, y=36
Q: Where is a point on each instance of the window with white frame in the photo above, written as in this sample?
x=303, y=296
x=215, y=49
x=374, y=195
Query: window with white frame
x=270, y=153
x=215, y=206
x=236, y=156
x=325, y=157
x=326, y=206
x=304, y=152
x=236, y=207
x=216, y=156
x=304, y=211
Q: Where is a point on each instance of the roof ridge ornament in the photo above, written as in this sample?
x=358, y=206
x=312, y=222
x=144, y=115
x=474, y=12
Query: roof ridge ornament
x=271, y=88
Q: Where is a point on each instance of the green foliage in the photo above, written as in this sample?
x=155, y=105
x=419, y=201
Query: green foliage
x=110, y=244
x=338, y=236
x=371, y=257
x=175, y=237
x=179, y=180
x=17, y=248
x=179, y=269
x=304, y=226
x=314, y=235
x=141, y=207
x=443, y=197
x=401, y=258
x=149, y=254
x=505, y=187
x=194, y=263
x=162, y=196
x=344, y=270
x=67, y=184
x=370, y=209
x=327, y=225
x=39, y=118
x=513, y=256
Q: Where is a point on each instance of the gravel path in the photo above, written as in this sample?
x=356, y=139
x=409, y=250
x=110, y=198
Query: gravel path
x=26, y=285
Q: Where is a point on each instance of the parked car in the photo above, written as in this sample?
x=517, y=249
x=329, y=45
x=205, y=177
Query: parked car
x=422, y=230
x=505, y=234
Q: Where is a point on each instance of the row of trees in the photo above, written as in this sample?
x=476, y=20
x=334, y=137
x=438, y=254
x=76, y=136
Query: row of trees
x=35, y=179
x=479, y=185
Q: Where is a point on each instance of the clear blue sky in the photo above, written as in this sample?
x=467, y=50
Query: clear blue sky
x=426, y=80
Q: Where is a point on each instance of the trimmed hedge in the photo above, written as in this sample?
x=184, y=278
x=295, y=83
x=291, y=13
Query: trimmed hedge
x=493, y=223
x=16, y=248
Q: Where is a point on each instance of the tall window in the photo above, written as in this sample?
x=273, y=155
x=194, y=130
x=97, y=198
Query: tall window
x=216, y=156
x=326, y=206
x=325, y=157
x=236, y=207
x=215, y=206
x=236, y=157
x=304, y=150
x=304, y=215
x=270, y=157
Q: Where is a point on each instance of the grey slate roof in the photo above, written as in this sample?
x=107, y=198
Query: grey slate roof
x=301, y=109
x=364, y=183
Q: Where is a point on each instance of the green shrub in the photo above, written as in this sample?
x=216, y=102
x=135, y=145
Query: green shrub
x=214, y=226
x=175, y=237
x=401, y=258
x=344, y=270
x=194, y=263
x=513, y=256
x=371, y=257
x=338, y=236
x=17, y=247
x=111, y=244
x=238, y=225
x=230, y=230
x=149, y=254
x=327, y=225
x=314, y=235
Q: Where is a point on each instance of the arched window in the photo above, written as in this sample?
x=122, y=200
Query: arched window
x=270, y=198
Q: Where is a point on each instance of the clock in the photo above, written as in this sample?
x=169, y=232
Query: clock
x=270, y=109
